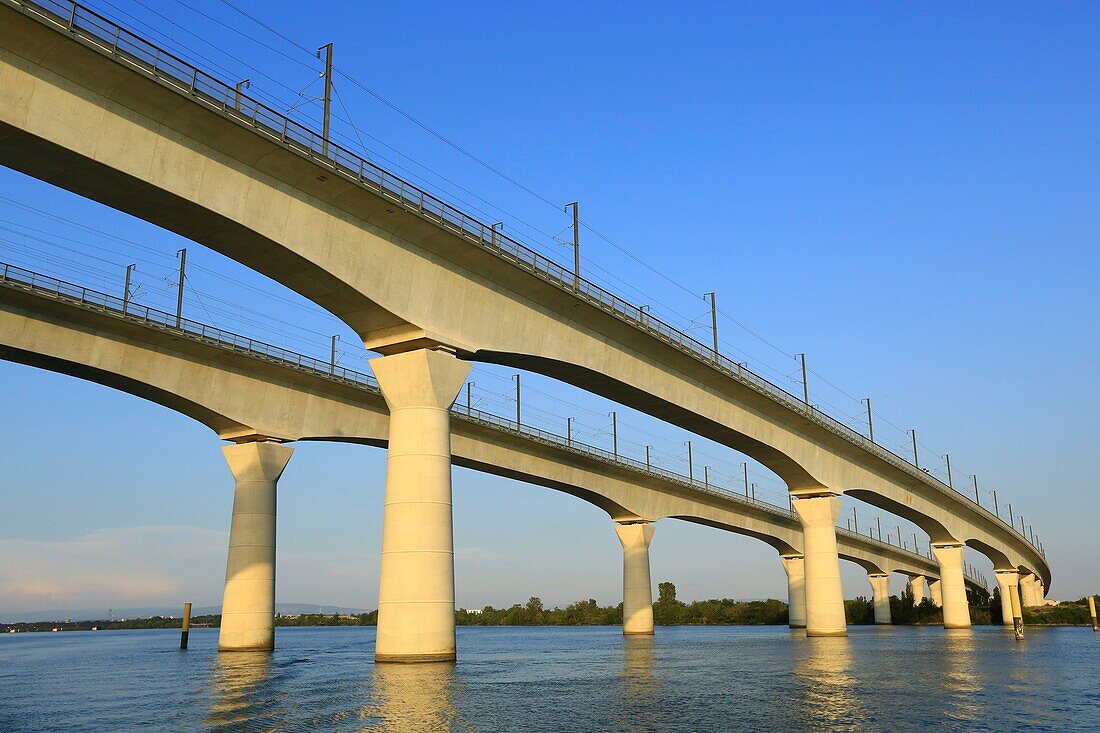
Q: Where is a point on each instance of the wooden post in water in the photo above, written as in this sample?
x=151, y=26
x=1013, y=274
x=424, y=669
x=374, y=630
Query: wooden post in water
x=1017, y=615
x=186, y=625
x=1092, y=612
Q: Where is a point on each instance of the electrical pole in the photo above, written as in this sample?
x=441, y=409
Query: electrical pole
x=182, y=254
x=1011, y=521
x=493, y=232
x=690, y=475
x=576, y=245
x=878, y=521
x=569, y=431
x=746, y=467
x=126, y=288
x=469, y=398
x=976, y=499
x=647, y=464
x=870, y=425
x=332, y=357
x=327, y=98
x=855, y=521
x=706, y=476
x=754, y=492
x=713, y=320
x=243, y=84
x=996, y=509
x=516, y=377
x=615, y=435
x=916, y=462
x=805, y=383
x=950, y=481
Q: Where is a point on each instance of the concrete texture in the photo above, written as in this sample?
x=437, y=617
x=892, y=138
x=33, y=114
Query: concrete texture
x=956, y=610
x=416, y=596
x=916, y=584
x=637, y=585
x=880, y=592
x=824, y=595
x=248, y=605
x=935, y=592
x=1008, y=582
x=795, y=568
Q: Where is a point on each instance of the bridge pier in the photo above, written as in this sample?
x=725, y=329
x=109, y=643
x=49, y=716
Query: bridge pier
x=880, y=590
x=916, y=584
x=956, y=609
x=935, y=592
x=1008, y=582
x=824, y=594
x=795, y=568
x=1031, y=589
x=248, y=604
x=416, y=595
x=637, y=585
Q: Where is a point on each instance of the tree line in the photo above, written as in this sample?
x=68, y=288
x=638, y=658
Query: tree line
x=667, y=611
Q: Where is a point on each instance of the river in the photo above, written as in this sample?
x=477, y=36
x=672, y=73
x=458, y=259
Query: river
x=559, y=679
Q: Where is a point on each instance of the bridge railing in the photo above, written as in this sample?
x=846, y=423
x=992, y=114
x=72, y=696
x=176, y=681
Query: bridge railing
x=184, y=78
x=43, y=285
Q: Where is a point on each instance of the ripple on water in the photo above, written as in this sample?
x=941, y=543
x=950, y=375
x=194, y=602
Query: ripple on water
x=559, y=679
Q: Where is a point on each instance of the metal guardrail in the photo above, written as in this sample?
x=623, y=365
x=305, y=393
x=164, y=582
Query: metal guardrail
x=142, y=56
x=18, y=278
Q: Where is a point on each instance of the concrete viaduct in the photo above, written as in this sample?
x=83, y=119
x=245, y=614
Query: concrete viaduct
x=258, y=396
x=97, y=110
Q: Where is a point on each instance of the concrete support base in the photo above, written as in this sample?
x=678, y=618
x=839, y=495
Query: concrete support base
x=824, y=595
x=916, y=584
x=935, y=592
x=248, y=605
x=795, y=567
x=880, y=589
x=1008, y=582
x=637, y=585
x=416, y=595
x=956, y=610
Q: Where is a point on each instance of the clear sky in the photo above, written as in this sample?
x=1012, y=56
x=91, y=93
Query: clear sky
x=907, y=194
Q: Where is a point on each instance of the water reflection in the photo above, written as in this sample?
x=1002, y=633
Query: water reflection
x=824, y=665
x=243, y=693
x=638, y=667
x=962, y=677
x=413, y=697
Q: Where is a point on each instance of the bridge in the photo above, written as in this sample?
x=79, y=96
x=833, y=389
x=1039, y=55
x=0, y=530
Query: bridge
x=433, y=289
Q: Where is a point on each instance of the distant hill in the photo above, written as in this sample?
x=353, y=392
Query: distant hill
x=101, y=614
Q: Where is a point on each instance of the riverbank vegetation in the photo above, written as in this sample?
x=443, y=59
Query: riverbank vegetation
x=667, y=611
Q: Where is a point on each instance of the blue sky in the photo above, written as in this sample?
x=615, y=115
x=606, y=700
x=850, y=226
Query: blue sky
x=905, y=193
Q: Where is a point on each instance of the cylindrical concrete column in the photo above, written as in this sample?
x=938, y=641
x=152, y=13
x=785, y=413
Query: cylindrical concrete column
x=1007, y=582
x=1029, y=589
x=1025, y=589
x=248, y=604
x=956, y=610
x=824, y=594
x=935, y=592
x=416, y=594
x=880, y=589
x=795, y=567
x=916, y=583
x=637, y=586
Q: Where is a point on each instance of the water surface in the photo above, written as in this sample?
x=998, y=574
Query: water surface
x=559, y=679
